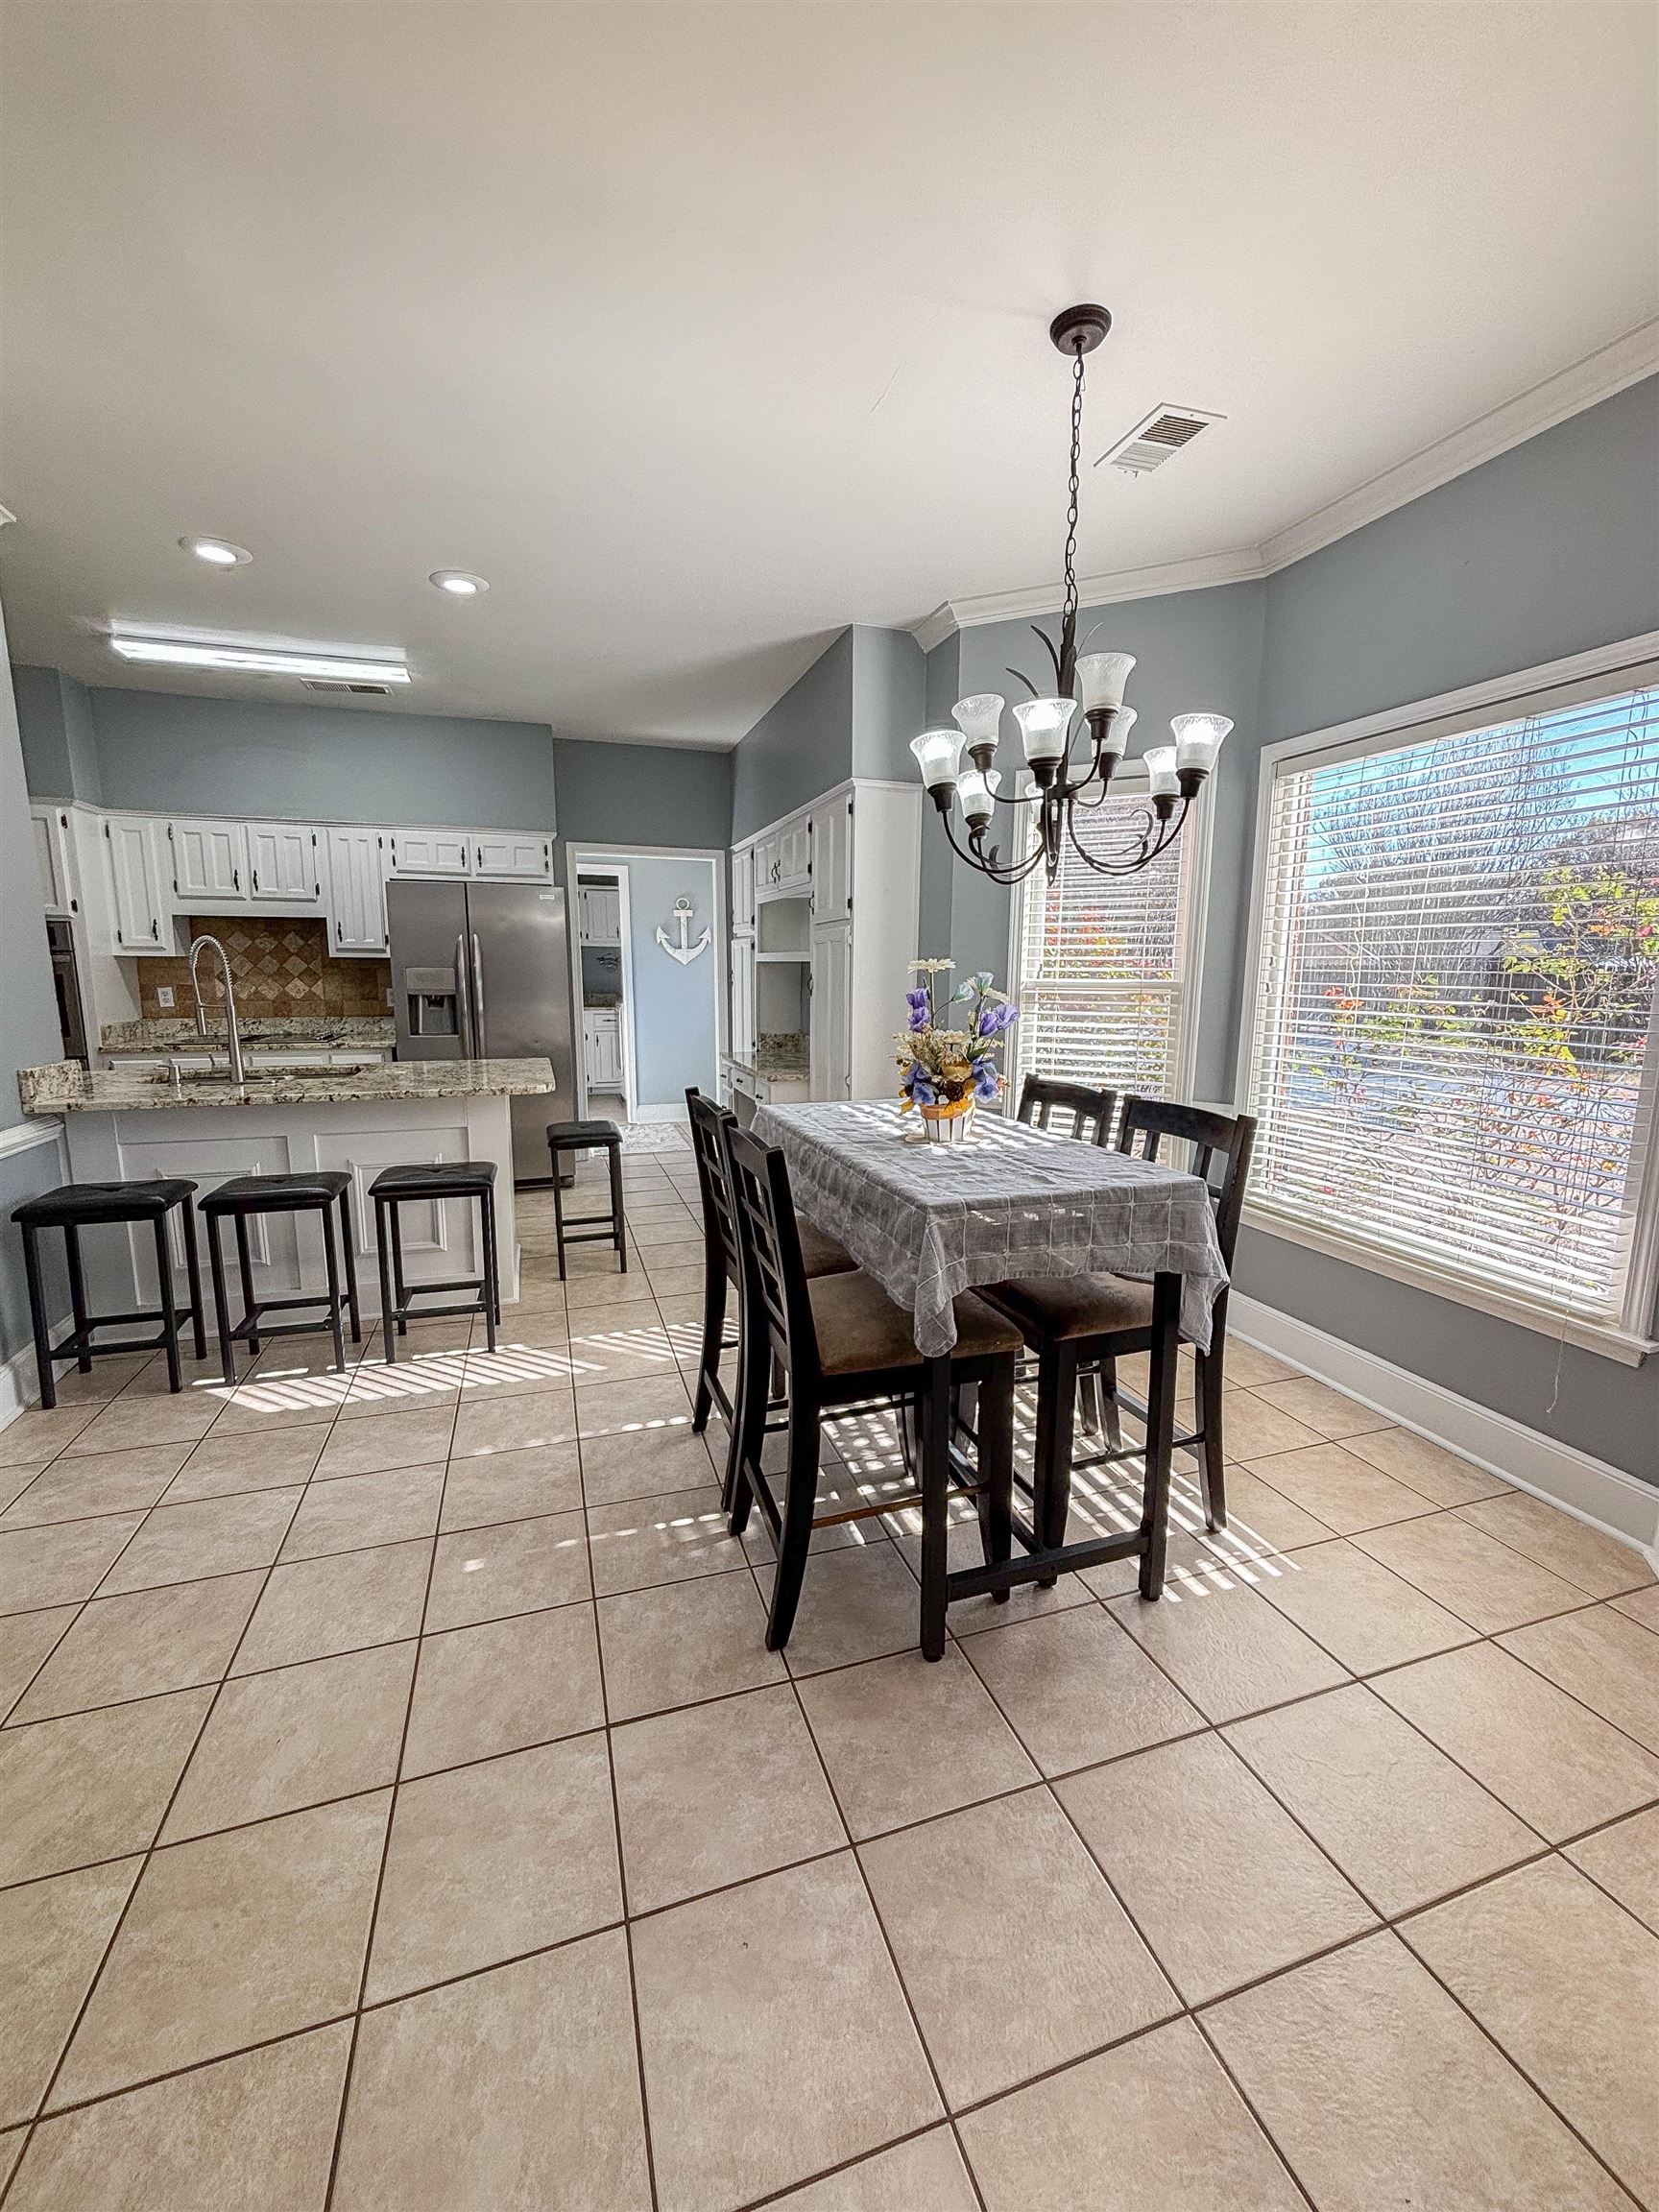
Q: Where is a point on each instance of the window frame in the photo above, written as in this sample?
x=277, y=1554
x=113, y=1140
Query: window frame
x=1193, y=851
x=1630, y=664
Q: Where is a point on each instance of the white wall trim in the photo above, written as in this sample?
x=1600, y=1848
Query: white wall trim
x=1592, y=1491
x=1610, y=370
x=25, y=1136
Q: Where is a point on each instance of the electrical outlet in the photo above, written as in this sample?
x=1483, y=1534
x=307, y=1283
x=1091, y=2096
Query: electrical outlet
x=164, y=996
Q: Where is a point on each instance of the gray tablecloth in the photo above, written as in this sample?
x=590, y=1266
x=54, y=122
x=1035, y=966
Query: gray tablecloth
x=929, y=1221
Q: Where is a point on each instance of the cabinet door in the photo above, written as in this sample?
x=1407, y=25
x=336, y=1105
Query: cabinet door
x=830, y=979
x=209, y=860
x=51, y=858
x=430, y=852
x=767, y=865
x=135, y=905
x=742, y=997
x=743, y=887
x=356, y=891
x=512, y=855
x=611, y=1053
x=282, y=863
x=795, y=853
x=832, y=860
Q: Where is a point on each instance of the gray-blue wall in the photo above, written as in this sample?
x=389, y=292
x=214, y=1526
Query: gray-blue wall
x=642, y=794
x=59, y=751
x=800, y=747
x=889, y=687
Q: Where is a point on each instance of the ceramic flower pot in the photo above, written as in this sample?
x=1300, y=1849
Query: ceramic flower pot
x=948, y=1124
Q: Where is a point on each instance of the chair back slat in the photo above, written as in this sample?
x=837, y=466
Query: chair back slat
x=709, y=1146
x=1083, y=1112
x=1222, y=1146
x=774, y=1277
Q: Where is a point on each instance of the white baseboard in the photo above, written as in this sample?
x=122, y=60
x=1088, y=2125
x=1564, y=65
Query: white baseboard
x=1590, y=1489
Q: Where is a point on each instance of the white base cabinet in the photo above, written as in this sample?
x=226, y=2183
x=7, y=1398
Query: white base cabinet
x=602, y=1047
x=829, y=1038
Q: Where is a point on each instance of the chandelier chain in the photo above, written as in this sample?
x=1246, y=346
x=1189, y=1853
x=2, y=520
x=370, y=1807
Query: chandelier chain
x=1069, y=608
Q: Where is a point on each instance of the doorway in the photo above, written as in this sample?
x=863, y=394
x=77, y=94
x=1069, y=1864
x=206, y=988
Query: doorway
x=602, y=935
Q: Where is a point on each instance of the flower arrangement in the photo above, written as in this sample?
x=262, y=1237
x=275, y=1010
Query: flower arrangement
x=947, y=1071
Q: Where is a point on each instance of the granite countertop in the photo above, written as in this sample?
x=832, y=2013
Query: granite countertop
x=68, y=1087
x=170, y=1033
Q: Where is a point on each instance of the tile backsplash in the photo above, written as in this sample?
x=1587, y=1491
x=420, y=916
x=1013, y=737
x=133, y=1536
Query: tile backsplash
x=280, y=967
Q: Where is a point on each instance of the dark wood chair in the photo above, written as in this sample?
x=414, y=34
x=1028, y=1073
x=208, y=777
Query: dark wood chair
x=607, y=1228
x=1081, y=1325
x=843, y=1344
x=1083, y=1112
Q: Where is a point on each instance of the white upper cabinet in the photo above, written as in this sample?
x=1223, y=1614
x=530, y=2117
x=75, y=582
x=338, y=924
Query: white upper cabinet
x=356, y=891
x=429, y=852
x=598, y=914
x=51, y=858
x=140, y=920
x=832, y=860
x=513, y=853
x=209, y=860
x=284, y=864
x=783, y=859
x=743, y=888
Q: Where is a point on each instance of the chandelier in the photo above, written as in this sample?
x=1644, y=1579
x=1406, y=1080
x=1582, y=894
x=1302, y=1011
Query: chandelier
x=1061, y=786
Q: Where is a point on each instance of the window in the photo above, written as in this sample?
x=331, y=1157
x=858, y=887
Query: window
x=1102, y=962
x=1452, y=1055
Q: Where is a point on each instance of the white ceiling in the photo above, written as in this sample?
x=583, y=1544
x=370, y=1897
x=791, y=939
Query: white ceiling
x=701, y=331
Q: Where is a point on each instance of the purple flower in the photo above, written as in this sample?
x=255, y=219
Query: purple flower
x=917, y=1001
x=986, y=1086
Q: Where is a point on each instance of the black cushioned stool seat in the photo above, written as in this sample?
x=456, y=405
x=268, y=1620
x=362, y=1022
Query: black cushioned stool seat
x=432, y=1184
x=588, y=1228
x=317, y=1191
x=76, y=1205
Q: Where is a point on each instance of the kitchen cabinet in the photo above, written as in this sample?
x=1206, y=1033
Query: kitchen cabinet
x=283, y=864
x=210, y=861
x=357, y=892
x=429, y=852
x=51, y=826
x=602, y=1047
x=795, y=855
x=831, y=858
x=829, y=983
x=140, y=920
x=598, y=914
x=743, y=889
x=765, y=864
x=514, y=855
x=742, y=1027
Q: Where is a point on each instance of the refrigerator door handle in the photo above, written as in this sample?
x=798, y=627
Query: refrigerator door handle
x=478, y=996
x=462, y=1001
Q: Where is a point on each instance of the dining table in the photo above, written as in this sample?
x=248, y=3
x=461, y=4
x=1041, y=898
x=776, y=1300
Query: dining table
x=929, y=1221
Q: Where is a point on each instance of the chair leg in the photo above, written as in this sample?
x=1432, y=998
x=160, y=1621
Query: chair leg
x=1106, y=1383
x=1212, y=1451
x=37, y=1318
x=996, y=1427
x=492, y=1288
x=398, y=1285
x=245, y=1267
x=1056, y=1416
x=349, y=1247
x=76, y=1294
x=220, y=1301
x=558, y=1216
x=1160, y=1427
x=169, y=1310
x=617, y=1224
x=193, y=1273
x=800, y=1497
x=749, y=1429
x=331, y=1262
x=383, y=1250
x=713, y=1338
x=935, y=1504
x=1090, y=1405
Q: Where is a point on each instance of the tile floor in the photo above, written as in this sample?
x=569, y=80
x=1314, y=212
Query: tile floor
x=399, y=1809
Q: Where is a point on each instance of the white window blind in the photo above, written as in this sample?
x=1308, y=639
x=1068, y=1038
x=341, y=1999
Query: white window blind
x=1451, y=1058
x=1103, y=961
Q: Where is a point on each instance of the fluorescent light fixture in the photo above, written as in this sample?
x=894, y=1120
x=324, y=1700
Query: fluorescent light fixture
x=254, y=660
x=217, y=552
x=458, y=582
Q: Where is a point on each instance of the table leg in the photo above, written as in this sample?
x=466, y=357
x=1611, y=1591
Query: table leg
x=1160, y=1429
x=935, y=1503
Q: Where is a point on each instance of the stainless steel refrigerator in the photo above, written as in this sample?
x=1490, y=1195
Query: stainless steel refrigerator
x=482, y=971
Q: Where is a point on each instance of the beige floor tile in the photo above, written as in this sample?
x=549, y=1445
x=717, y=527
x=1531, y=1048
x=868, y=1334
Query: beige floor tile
x=718, y=1793
x=1380, y=2090
x=1226, y=1649
x=216, y=1536
x=968, y=1616
x=1337, y=1488
x=1443, y=1477
x=691, y=1640
x=362, y=1511
x=515, y=1371
x=502, y=1687
x=295, y=1736
x=108, y=1380
x=645, y=1464
x=668, y=1538
x=680, y=1308
x=658, y=1404
x=1152, y=2126
x=143, y=1644
x=1261, y=1519
x=924, y=2175
x=514, y=1566
x=1608, y=1661
x=1567, y=1983
x=37, y=1436
x=508, y=2092
x=1579, y=1555
x=512, y=1486
x=1642, y=1605
x=261, y=1406
x=517, y=1423
x=1078, y=1975
x=586, y=1295
x=1248, y=1367
x=254, y=2132
x=136, y=1418
x=373, y=1443
x=27, y=1640
x=231, y=1941
x=52, y=1938
x=107, y=1482
x=1077, y=1688
x=1252, y=1427
x=490, y=1862
x=1482, y=1581
x=14, y=1480
x=1624, y=1860
x=345, y=1603
x=92, y=1785
x=1221, y=1882
x=785, y=1982
x=1558, y=1766
x=220, y=1466
x=1328, y=1413
x=678, y=1281
x=904, y=1739
x=1363, y=1615
x=856, y=1602
x=1400, y=1820
x=61, y=1564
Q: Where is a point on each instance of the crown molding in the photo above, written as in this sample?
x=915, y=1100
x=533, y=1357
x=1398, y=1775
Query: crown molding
x=1626, y=361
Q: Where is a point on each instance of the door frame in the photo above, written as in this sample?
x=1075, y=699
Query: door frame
x=577, y=860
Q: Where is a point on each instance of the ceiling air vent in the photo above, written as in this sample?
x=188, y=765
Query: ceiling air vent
x=358, y=691
x=1158, y=438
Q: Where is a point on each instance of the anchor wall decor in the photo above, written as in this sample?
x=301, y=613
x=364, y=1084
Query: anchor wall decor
x=684, y=951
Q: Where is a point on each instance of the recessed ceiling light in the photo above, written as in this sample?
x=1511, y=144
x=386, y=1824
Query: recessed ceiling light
x=457, y=583
x=256, y=659
x=217, y=552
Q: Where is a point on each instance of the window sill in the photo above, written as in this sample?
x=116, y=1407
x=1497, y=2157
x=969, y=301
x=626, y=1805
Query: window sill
x=1600, y=1338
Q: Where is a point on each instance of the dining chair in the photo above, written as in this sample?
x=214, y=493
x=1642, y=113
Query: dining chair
x=1081, y=1325
x=1043, y=1096
x=844, y=1346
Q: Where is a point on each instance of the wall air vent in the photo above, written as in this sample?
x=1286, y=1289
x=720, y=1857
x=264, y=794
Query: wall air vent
x=1158, y=438
x=358, y=691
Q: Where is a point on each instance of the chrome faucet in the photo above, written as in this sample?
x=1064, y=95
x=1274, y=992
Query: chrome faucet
x=234, y=1036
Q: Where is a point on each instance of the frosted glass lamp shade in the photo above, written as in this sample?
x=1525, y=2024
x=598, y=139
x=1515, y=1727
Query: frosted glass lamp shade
x=979, y=719
x=937, y=752
x=1044, y=726
x=1160, y=771
x=1118, y=733
x=1198, y=739
x=1102, y=678
x=974, y=795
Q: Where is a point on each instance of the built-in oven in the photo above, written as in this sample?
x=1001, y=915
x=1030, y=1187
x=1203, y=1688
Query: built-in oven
x=66, y=984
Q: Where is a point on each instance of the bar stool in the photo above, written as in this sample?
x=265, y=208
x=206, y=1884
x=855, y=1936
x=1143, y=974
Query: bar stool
x=588, y=1228
x=76, y=1205
x=443, y=1179
x=238, y=1201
